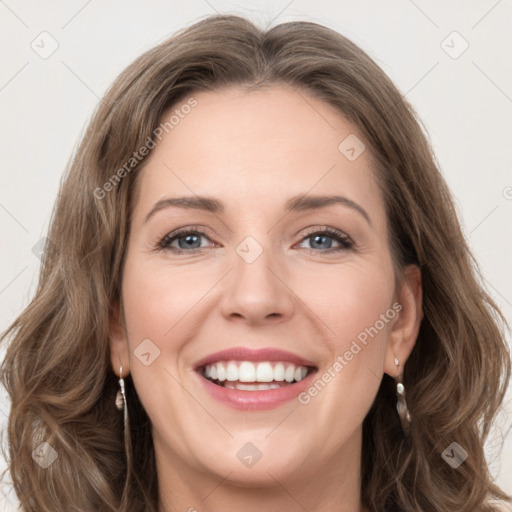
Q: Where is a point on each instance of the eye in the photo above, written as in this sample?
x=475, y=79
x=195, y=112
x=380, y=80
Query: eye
x=322, y=239
x=187, y=241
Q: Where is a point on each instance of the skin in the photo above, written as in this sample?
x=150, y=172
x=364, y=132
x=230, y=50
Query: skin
x=252, y=151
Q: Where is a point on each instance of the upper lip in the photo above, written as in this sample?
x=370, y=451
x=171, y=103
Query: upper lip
x=247, y=354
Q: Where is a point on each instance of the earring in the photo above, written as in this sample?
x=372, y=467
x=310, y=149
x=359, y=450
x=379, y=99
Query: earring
x=401, y=405
x=121, y=397
x=121, y=406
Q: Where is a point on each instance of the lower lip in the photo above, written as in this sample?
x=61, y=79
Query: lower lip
x=256, y=400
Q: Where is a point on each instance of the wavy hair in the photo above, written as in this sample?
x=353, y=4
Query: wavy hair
x=57, y=367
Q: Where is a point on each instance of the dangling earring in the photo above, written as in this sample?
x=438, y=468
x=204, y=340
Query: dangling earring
x=401, y=405
x=121, y=397
x=122, y=406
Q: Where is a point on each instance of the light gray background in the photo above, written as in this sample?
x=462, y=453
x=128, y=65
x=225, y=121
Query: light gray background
x=465, y=104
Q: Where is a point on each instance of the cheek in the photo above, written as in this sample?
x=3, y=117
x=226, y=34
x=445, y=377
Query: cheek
x=360, y=312
x=164, y=310
x=349, y=299
x=158, y=303
x=157, y=297
x=356, y=308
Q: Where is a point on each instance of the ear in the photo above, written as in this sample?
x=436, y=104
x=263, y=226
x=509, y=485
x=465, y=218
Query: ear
x=119, y=348
x=406, y=327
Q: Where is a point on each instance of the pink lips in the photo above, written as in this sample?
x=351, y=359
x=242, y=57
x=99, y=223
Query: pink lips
x=255, y=400
x=247, y=354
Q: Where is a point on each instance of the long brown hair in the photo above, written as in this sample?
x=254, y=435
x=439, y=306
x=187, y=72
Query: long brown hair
x=57, y=369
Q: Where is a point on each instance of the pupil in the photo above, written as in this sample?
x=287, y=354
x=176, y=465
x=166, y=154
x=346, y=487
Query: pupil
x=190, y=239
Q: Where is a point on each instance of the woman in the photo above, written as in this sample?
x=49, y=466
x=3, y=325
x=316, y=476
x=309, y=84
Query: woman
x=258, y=368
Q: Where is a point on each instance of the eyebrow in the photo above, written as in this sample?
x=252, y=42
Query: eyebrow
x=297, y=203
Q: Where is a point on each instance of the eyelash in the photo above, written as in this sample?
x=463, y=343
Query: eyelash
x=344, y=240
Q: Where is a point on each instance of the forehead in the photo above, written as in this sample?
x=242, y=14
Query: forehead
x=249, y=147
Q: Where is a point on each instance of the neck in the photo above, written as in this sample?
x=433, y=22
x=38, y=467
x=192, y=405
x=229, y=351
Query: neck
x=331, y=483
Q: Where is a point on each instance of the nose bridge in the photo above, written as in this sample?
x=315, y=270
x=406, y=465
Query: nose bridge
x=255, y=291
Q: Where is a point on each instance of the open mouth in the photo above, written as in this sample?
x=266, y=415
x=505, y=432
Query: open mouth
x=251, y=376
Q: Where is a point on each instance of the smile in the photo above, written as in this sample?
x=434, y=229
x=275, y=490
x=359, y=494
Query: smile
x=254, y=379
x=250, y=376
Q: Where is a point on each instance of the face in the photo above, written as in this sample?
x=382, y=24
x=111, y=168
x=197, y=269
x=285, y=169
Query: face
x=293, y=289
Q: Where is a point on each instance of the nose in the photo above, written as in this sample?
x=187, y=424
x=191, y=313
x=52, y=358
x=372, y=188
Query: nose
x=257, y=292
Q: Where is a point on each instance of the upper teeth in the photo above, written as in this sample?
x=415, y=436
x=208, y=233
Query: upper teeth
x=247, y=371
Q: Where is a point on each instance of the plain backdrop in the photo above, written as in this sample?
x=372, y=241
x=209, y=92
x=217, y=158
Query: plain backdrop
x=450, y=58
